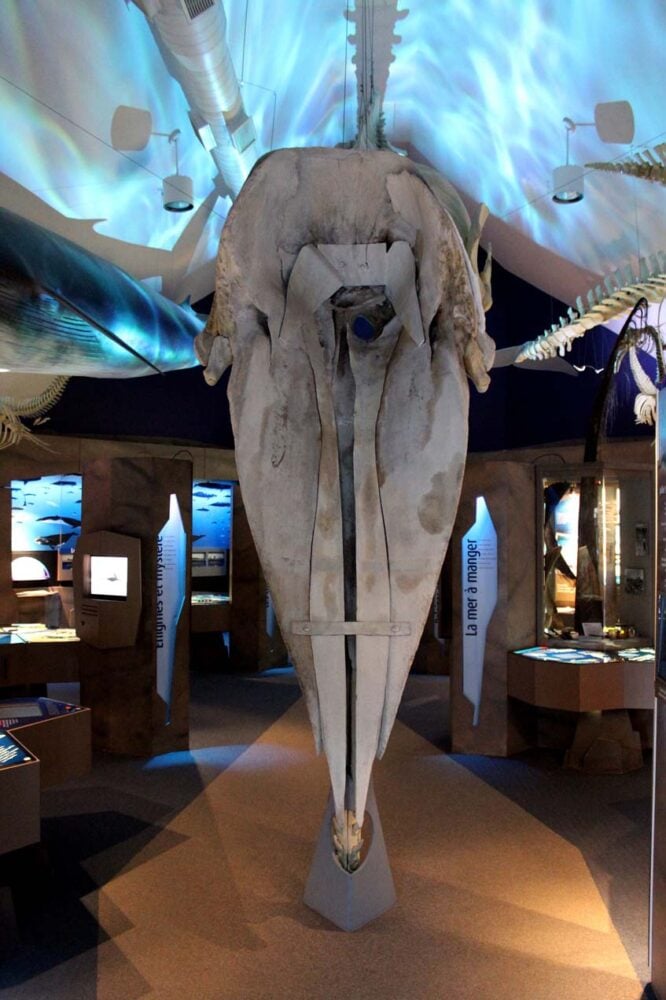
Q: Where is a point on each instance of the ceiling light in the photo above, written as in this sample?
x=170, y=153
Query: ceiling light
x=568, y=184
x=614, y=122
x=568, y=178
x=177, y=193
x=131, y=128
x=177, y=190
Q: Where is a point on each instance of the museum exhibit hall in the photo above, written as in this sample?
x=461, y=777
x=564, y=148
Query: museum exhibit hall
x=332, y=500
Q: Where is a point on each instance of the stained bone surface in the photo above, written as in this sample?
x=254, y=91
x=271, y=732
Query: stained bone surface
x=349, y=309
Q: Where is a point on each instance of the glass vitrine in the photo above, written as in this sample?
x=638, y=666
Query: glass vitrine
x=596, y=553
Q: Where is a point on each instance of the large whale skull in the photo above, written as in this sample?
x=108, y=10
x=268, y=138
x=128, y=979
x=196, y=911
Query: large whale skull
x=351, y=312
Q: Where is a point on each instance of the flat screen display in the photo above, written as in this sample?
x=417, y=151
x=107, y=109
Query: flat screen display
x=108, y=577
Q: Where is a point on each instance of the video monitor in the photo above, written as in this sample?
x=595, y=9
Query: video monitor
x=108, y=577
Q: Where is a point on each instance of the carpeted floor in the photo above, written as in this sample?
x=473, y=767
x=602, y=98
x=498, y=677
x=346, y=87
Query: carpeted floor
x=182, y=877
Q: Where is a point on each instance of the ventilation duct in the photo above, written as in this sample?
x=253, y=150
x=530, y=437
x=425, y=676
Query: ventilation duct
x=191, y=35
x=193, y=8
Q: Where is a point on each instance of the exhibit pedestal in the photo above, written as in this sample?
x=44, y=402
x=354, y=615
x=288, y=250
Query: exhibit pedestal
x=605, y=743
x=133, y=711
x=350, y=900
x=61, y=743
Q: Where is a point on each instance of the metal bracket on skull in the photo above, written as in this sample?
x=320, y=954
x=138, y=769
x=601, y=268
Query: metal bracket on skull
x=351, y=628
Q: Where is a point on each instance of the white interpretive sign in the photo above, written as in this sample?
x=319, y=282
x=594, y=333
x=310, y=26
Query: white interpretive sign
x=171, y=563
x=479, y=597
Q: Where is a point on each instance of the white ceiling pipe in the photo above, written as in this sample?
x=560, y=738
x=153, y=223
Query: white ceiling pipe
x=191, y=35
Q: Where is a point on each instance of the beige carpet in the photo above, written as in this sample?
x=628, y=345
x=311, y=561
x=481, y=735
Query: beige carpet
x=491, y=903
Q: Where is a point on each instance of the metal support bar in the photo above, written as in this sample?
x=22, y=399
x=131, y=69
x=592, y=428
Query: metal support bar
x=351, y=628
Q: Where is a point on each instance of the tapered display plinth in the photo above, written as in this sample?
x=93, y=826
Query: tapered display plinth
x=351, y=900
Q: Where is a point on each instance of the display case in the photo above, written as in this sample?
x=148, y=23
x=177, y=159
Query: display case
x=19, y=794
x=595, y=555
x=57, y=733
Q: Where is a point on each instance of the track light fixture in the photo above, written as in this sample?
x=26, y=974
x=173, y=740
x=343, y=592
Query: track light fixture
x=131, y=129
x=614, y=122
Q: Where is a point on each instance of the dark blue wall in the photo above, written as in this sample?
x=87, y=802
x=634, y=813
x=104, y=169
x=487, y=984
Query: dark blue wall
x=520, y=408
x=528, y=407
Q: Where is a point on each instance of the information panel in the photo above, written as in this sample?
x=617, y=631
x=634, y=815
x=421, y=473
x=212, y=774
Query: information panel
x=479, y=597
x=171, y=589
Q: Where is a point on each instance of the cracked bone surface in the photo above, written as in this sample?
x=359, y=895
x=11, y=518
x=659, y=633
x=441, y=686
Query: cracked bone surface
x=350, y=311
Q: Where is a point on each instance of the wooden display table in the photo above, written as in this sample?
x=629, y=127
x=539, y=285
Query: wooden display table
x=19, y=795
x=37, y=655
x=601, y=687
x=55, y=732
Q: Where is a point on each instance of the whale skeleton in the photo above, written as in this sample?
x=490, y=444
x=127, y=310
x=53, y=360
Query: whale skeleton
x=352, y=313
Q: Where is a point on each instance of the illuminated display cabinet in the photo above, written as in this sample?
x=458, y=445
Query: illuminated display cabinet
x=595, y=555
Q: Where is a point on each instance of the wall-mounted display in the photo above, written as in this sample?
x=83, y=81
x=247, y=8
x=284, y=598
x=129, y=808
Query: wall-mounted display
x=45, y=527
x=212, y=506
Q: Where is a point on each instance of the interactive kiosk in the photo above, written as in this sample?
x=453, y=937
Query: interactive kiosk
x=107, y=589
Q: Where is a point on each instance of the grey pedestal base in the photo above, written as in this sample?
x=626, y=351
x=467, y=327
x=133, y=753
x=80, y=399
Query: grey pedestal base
x=350, y=900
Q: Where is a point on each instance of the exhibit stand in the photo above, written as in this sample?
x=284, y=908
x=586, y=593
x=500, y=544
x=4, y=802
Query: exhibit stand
x=351, y=899
x=550, y=610
x=132, y=604
x=602, y=690
x=35, y=654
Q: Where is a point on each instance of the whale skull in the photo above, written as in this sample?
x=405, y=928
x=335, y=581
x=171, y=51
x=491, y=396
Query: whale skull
x=352, y=314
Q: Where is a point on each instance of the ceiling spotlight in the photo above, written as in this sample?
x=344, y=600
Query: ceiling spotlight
x=614, y=122
x=131, y=129
x=568, y=179
x=177, y=189
x=177, y=193
x=568, y=184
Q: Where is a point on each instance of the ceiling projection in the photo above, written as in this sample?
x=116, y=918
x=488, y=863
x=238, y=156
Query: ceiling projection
x=480, y=93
